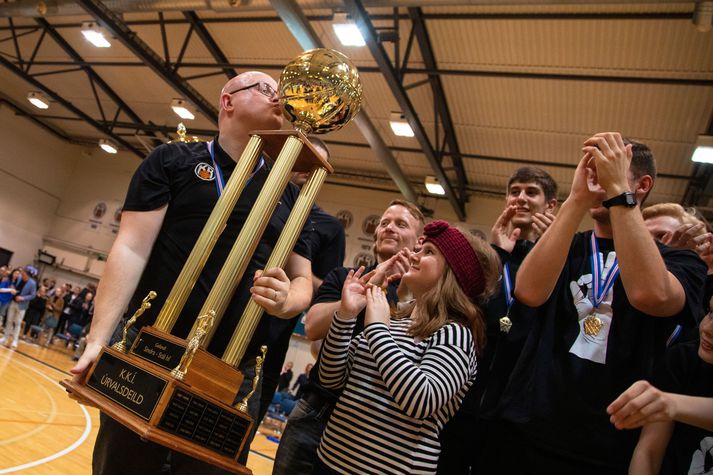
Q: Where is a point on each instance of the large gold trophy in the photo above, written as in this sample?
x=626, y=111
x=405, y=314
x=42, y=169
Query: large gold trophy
x=172, y=391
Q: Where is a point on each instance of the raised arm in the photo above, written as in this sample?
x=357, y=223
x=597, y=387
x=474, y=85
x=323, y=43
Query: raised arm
x=540, y=270
x=338, y=348
x=125, y=264
x=660, y=293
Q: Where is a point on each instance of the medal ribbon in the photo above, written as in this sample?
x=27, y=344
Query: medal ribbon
x=601, y=284
x=507, y=282
x=219, y=184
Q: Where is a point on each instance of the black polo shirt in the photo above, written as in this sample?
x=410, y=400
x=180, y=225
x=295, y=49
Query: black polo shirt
x=181, y=175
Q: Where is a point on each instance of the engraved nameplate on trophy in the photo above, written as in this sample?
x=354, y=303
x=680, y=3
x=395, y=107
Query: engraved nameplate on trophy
x=127, y=385
x=158, y=350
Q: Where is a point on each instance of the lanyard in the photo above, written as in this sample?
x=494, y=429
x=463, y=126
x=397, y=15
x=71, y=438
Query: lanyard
x=508, y=285
x=601, y=284
x=219, y=184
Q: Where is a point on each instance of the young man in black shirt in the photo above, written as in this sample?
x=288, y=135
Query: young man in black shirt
x=471, y=435
x=397, y=234
x=168, y=203
x=609, y=300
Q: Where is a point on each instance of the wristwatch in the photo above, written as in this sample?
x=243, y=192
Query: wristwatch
x=627, y=199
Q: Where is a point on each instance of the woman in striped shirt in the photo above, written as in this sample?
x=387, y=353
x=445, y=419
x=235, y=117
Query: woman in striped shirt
x=404, y=377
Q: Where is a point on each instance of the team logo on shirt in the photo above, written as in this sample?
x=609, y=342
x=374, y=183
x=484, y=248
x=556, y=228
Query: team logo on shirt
x=205, y=172
x=592, y=342
x=702, y=460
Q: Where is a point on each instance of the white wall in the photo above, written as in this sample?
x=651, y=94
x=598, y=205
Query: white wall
x=35, y=168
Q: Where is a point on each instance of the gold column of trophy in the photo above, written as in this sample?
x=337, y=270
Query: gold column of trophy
x=172, y=391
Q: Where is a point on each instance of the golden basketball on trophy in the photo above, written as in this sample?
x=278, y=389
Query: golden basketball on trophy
x=170, y=390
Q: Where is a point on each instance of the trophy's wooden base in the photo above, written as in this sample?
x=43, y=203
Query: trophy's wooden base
x=194, y=419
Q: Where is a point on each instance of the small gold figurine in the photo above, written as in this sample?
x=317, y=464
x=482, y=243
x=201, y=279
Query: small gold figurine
x=592, y=325
x=205, y=323
x=505, y=324
x=243, y=405
x=145, y=305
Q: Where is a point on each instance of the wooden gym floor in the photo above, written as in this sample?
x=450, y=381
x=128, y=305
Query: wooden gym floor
x=42, y=431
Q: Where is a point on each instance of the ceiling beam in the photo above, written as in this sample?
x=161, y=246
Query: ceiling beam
x=143, y=51
x=439, y=96
x=669, y=81
x=305, y=35
x=361, y=18
x=69, y=106
x=93, y=76
x=209, y=42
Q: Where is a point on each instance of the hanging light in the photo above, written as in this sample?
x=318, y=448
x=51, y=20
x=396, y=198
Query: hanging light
x=38, y=100
x=181, y=108
x=347, y=31
x=400, y=126
x=434, y=186
x=93, y=34
x=108, y=146
x=704, y=149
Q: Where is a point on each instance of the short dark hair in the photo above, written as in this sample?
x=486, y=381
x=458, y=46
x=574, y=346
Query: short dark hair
x=642, y=163
x=642, y=160
x=536, y=175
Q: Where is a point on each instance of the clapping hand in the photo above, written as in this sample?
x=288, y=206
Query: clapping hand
x=502, y=233
x=377, y=307
x=353, y=295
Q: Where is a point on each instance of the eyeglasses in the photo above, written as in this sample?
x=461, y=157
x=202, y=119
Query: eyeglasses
x=262, y=87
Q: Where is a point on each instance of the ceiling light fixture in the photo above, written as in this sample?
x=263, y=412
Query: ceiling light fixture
x=108, y=146
x=181, y=108
x=347, y=31
x=704, y=149
x=434, y=186
x=399, y=125
x=91, y=32
x=38, y=100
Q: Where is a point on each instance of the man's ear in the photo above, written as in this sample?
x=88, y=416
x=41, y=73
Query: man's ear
x=226, y=102
x=551, y=205
x=643, y=187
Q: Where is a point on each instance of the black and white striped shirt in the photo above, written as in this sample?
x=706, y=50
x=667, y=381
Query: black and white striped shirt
x=398, y=393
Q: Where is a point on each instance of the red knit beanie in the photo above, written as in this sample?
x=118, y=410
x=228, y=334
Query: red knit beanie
x=459, y=254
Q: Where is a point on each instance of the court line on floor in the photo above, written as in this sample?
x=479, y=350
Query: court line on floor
x=40, y=425
x=61, y=453
x=37, y=360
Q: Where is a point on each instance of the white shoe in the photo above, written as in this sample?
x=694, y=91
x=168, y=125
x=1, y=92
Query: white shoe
x=2, y=340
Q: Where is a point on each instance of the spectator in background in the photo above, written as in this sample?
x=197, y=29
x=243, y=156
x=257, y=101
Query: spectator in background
x=302, y=381
x=283, y=383
x=72, y=311
x=35, y=309
x=18, y=307
x=6, y=293
x=87, y=309
x=55, y=305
